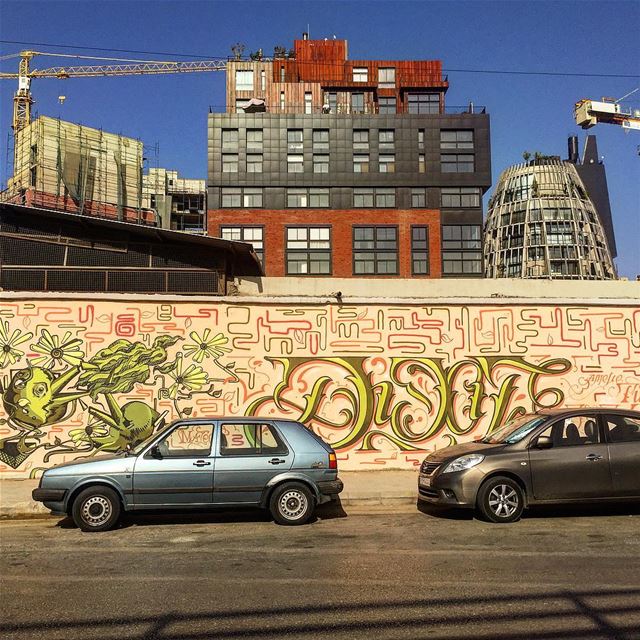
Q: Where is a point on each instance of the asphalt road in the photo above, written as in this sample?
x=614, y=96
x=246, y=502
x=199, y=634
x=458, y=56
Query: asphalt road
x=404, y=574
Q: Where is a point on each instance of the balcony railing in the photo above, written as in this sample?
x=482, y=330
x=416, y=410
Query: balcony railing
x=349, y=110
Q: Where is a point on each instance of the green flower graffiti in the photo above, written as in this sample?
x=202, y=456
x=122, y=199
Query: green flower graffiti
x=193, y=378
x=203, y=347
x=9, y=354
x=55, y=351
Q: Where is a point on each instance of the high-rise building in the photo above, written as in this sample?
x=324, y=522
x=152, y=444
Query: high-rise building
x=348, y=168
x=550, y=218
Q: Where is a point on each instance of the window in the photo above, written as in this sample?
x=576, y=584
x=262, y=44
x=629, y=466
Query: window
x=560, y=233
x=418, y=198
x=420, y=137
x=308, y=102
x=295, y=163
x=420, y=251
x=241, y=103
x=321, y=140
x=422, y=163
x=361, y=139
x=375, y=250
x=187, y=441
x=357, y=103
x=453, y=139
x=386, y=105
x=282, y=74
x=374, y=197
x=251, y=439
x=386, y=138
x=263, y=80
x=229, y=163
x=236, y=197
x=423, y=103
x=254, y=163
x=385, y=198
x=252, y=235
x=360, y=74
x=361, y=163
x=231, y=197
x=363, y=198
x=386, y=78
x=573, y=431
x=308, y=250
x=254, y=139
x=281, y=101
x=461, y=249
x=332, y=102
x=303, y=197
x=244, y=80
x=622, y=428
x=457, y=163
x=295, y=140
x=466, y=197
x=387, y=163
x=230, y=139
x=320, y=163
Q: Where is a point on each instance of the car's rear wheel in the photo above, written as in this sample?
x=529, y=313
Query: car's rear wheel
x=500, y=499
x=96, y=509
x=292, y=503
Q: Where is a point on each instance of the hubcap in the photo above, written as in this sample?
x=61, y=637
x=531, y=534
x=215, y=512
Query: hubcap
x=293, y=504
x=503, y=500
x=96, y=511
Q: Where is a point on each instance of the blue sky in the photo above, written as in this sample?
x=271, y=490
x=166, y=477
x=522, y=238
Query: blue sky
x=527, y=112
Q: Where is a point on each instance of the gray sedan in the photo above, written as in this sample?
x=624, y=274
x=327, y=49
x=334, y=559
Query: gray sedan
x=206, y=463
x=559, y=456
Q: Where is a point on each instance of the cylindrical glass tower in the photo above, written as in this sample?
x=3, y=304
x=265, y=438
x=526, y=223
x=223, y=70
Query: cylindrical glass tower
x=542, y=224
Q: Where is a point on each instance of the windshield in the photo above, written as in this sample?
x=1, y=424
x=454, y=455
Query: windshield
x=514, y=431
x=139, y=447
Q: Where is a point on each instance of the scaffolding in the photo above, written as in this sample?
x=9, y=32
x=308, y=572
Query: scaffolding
x=69, y=167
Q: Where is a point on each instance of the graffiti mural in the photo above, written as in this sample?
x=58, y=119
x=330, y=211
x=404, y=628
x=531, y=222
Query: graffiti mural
x=382, y=384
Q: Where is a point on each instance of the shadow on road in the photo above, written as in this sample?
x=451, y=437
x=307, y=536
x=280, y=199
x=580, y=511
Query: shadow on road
x=551, y=511
x=569, y=614
x=329, y=511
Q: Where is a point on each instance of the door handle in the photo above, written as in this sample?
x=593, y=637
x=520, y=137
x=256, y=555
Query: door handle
x=276, y=461
x=201, y=463
x=592, y=457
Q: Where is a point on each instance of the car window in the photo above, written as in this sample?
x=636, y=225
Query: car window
x=238, y=439
x=574, y=431
x=189, y=440
x=623, y=428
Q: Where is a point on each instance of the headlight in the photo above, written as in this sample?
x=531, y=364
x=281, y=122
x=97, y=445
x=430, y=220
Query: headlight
x=464, y=462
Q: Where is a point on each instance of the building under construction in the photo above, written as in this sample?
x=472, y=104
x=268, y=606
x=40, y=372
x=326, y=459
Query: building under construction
x=69, y=167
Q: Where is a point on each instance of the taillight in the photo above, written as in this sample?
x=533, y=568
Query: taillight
x=333, y=460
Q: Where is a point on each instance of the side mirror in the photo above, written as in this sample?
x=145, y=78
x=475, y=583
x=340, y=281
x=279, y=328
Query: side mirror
x=154, y=452
x=543, y=442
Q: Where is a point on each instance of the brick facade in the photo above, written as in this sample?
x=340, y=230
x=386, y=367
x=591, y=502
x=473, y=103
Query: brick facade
x=341, y=222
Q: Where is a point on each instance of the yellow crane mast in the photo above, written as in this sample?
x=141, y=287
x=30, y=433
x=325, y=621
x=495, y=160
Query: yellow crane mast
x=23, y=99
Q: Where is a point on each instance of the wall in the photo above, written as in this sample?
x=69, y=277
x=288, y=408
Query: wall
x=383, y=381
x=274, y=224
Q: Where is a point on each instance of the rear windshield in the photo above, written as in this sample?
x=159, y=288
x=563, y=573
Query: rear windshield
x=317, y=438
x=514, y=431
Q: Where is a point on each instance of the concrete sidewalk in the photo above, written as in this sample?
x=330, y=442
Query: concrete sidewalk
x=383, y=487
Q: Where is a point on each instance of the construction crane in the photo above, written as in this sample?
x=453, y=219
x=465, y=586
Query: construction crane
x=588, y=113
x=23, y=99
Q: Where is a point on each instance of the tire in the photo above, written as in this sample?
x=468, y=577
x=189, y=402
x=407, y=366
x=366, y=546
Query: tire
x=292, y=503
x=501, y=500
x=96, y=509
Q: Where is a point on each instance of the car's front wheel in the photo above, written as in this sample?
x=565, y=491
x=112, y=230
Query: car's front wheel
x=500, y=499
x=291, y=504
x=96, y=509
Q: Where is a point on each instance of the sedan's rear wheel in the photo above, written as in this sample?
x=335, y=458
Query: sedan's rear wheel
x=96, y=509
x=500, y=499
x=291, y=504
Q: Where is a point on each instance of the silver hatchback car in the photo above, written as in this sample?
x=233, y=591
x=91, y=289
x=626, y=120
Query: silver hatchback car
x=205, y=463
